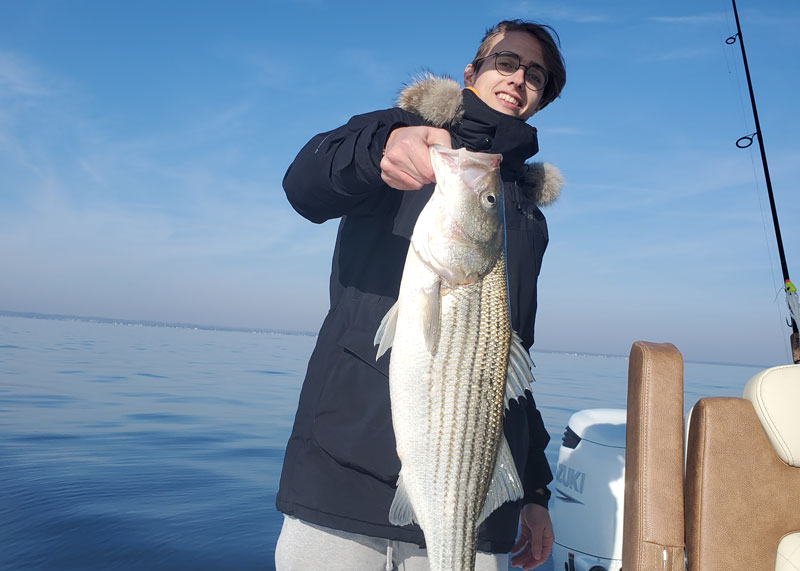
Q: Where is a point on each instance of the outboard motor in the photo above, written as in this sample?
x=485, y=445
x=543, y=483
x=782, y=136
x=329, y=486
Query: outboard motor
x=589, y=490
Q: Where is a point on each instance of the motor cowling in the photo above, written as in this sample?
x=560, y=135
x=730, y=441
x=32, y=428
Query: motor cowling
x=587, y=505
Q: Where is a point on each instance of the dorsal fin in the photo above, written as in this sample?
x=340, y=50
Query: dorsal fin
x=519, y=376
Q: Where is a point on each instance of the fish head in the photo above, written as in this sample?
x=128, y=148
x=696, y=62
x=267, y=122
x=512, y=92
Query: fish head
x=471, y=190
x=469, y=194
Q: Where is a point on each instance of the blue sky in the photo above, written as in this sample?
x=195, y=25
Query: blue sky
x=143, y=144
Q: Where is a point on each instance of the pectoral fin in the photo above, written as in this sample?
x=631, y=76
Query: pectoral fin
x=506, y=485
x=519, y=376
x=401, y=512
x=431, y=311
x=384, y=337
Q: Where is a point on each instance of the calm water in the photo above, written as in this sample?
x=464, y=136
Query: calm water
x=132, y=447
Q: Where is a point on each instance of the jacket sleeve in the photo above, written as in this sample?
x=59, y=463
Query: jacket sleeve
x=338, y=172
x=537, y=469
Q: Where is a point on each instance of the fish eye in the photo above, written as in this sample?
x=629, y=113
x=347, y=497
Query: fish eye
x=491, y=199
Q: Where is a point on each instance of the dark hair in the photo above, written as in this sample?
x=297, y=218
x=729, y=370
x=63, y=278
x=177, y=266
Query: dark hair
x=551, y=50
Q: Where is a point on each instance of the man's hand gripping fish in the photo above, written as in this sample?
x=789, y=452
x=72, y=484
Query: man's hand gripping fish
x=455, y=362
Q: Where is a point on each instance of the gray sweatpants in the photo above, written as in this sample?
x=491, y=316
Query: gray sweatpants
x=303, y=546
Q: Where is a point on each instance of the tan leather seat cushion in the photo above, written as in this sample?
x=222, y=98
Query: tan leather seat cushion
x=653, y=537
x=741, y=498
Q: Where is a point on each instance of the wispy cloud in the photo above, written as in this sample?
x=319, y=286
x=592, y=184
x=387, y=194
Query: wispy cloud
x=18, y=77
x=371, y=66
x=687, y=53
x=785, y=19
x=144, y=219
x=709, y=18
x=562, y=14
x=143, y=257
x=562, y=130
x=264, y=69
x=559, y=13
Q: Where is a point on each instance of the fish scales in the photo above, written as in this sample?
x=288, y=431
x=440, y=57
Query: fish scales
x=448, y=381
x=470, y=414
x=480, y=405
x=474, y=345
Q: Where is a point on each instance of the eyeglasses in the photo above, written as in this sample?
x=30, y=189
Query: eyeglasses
x=507, y=63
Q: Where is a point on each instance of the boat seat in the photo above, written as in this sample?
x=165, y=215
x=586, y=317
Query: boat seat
x=742, y=484
x=653, y=506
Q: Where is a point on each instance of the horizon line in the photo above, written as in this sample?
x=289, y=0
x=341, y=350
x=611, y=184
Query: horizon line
x=201, y=327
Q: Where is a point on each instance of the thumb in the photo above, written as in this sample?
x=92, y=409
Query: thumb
x=436, y=136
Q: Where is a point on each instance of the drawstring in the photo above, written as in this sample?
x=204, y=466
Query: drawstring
x=518, y=201
x=515, y=196
x=389, y=565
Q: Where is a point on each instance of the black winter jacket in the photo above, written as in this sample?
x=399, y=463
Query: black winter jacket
x=341, y=467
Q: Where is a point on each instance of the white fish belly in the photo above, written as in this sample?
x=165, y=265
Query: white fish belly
x=447, y=410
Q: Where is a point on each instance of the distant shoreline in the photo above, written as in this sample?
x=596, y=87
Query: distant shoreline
x=147, y=323
x=179, y=325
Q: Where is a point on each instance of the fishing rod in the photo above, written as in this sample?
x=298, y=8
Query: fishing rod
x=742, y=143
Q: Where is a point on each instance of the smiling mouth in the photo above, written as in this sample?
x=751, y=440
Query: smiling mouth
x=509, y=99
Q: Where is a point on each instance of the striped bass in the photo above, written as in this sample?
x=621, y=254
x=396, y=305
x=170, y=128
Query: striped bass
x=455, y=362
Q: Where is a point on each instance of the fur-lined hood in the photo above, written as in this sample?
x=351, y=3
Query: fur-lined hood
x=440, y=101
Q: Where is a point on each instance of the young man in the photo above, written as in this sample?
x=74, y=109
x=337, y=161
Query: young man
x=340, y=469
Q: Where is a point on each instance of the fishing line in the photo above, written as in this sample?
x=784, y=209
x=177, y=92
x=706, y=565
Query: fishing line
x=725, y=45
x=766, y=221
x=733, y=70
x=745, y=142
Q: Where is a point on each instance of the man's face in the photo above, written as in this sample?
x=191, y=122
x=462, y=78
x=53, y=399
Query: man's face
x=508, y=93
